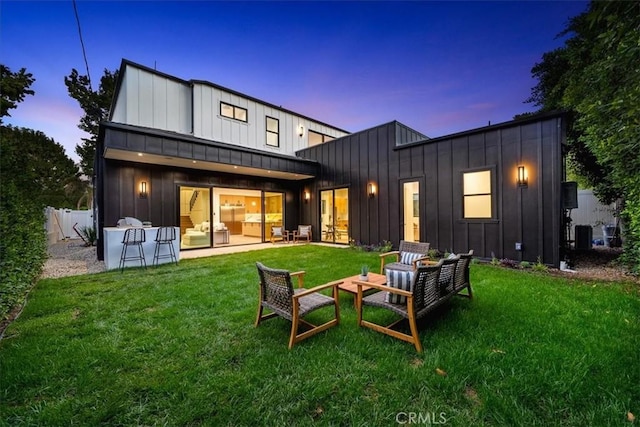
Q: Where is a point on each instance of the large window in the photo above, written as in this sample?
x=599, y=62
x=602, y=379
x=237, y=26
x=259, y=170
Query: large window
x=477, y=194
x=316, y=138
x=233, y=112
x=273, y=132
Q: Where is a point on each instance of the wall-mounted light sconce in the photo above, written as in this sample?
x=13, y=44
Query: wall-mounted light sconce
x=523, y=179
x=301, y=131
x=371, y=189
x=307, y=196
x=143, y=189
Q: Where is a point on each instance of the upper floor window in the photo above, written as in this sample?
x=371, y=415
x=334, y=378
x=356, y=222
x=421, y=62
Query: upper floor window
x=233, y=112
x=273, y=132
x=477, y=194
x=316, y=138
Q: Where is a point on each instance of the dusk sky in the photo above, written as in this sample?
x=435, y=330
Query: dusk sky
x=437, y=67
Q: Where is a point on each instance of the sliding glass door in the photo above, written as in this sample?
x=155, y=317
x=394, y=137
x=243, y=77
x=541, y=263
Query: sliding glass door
x=273, y=208
x=195, y=217
x=334, y=215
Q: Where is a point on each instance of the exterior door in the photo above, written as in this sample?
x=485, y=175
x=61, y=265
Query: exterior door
x=195, y=217
x=334, y=215
x=411, y=211
x=273, y=209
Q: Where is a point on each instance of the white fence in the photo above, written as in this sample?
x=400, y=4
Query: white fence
x=591, y=212
x=60, y=222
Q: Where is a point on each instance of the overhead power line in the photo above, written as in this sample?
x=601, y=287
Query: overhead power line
x=84, y=53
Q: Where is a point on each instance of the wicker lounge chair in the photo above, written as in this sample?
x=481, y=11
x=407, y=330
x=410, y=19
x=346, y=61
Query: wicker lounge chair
x=447, y=274
x=423, y=297
x=461, y=279
x=278, y=295
x=407, y=257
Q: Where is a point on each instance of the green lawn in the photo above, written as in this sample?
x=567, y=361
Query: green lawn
x=176, y=345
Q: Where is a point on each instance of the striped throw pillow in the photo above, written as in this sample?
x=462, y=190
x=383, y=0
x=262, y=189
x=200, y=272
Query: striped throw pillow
x=409, y=257
x=400, y=280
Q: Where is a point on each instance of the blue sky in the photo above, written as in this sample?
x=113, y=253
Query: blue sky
x=438, y=67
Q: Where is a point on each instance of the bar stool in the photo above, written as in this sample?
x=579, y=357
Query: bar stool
x=133, y=237
x=165, y=236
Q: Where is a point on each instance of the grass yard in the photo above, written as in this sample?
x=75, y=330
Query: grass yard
x=176, y=345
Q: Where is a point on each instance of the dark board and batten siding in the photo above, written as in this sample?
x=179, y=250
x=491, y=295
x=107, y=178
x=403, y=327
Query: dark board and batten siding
x=120, y=197
x=161, y=143
x=531, y=215
x=116, y=187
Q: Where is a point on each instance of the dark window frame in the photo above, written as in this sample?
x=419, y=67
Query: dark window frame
x=492, y=194
x=266, y=125
x=235, y=109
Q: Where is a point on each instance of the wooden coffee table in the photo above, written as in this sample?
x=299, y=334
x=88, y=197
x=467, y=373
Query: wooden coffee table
x=352, y=288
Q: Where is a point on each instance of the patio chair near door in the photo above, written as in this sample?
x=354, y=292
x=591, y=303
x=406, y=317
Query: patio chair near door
x=279, y=233
x=302, y=233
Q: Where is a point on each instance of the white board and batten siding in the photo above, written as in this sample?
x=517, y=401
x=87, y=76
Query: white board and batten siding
x=209, y=124
x=155, y=101
x=158, y=101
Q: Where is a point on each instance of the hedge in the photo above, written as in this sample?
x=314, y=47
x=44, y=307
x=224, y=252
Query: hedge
x=23, y=246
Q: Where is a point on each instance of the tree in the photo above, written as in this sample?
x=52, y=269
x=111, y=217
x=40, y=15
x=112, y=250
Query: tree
x=596, y=76
x=96, y=105
x=13, y=88
x=39, y=167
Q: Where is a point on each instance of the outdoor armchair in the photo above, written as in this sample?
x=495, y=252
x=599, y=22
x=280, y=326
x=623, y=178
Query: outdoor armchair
x=278, y=295
x=303, y=232
x=278, y=233
x=407, y=257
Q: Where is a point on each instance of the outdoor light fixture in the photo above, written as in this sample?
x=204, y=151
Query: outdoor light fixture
x=523, y=180
x=301, y=131
x=307, y=196
x=143, y=190
x=371, y=189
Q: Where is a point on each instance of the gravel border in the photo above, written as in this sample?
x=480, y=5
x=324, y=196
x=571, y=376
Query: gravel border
x=71, y=258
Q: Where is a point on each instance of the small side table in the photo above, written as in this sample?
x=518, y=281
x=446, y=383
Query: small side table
x=287, y=236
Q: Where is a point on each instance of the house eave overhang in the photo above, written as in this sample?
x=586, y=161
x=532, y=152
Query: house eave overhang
x=152, y=146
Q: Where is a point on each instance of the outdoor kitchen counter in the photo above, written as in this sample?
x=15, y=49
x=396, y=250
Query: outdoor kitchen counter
x=113, y=246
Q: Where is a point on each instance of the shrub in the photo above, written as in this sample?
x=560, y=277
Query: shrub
x=89, y=235
x=494, y=260
x=385, y=246
x=540, y=266
x=433, y=253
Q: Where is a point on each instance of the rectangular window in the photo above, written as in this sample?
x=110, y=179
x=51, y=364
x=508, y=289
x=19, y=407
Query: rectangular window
x=477, y=194
x=233, y=112
x=316, y=138
x=273, y=132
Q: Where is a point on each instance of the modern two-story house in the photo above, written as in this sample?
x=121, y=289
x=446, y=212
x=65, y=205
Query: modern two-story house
x=225, y=167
